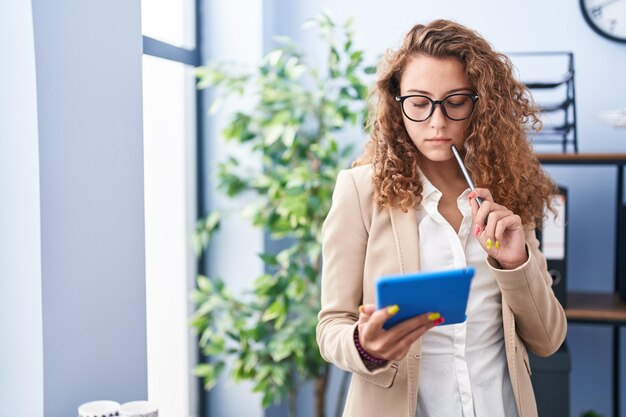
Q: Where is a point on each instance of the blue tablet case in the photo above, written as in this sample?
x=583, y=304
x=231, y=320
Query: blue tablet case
x=444, y=292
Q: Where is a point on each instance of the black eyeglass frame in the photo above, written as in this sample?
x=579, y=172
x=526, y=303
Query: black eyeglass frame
x=433, y=103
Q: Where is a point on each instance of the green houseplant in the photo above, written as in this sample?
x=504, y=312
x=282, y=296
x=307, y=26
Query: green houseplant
x=269, y=332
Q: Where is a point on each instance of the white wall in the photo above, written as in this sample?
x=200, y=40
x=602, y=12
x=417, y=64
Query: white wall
x=21, y=348
x=88, y=56
x=72, y=284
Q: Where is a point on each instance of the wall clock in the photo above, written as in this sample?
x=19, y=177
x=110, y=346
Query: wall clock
x=606, y=17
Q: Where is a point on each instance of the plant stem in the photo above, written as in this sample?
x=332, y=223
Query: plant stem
x=293, y=400
x=320, y=392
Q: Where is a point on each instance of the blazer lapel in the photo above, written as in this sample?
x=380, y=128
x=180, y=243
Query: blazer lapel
x=405, y=233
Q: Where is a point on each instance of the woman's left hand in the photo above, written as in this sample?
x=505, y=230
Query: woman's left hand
x=498, y=229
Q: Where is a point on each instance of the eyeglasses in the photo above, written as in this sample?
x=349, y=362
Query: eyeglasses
x=455, y=106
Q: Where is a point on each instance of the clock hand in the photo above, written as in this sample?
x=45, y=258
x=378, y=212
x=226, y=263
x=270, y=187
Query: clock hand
x=606, y=3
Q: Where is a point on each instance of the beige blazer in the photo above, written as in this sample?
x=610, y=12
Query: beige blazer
x=361, y=243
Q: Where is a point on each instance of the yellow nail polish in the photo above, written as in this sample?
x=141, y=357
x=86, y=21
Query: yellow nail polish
x=433, y=316
x=497, y=245
x=489, y=243
x=393, y=309
x=361, y=308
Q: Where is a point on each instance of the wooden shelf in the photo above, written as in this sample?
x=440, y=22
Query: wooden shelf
x=582, y=158
x=591, y=307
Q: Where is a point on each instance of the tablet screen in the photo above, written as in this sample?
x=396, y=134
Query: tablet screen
x=445, y=292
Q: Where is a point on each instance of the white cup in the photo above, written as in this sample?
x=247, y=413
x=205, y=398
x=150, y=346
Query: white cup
x=99, y=409
x=139, y=409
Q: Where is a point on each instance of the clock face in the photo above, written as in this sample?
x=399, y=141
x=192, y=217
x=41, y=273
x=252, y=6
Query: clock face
x=606, y=17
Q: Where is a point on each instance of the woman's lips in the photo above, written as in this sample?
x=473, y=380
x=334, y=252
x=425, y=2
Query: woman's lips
x=439, y=141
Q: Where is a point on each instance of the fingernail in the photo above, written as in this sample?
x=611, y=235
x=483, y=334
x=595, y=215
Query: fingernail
x=393, y=309
x=489, y=243
x=439, y=321
x=472, y=194
x=433, y=316
x=361, y=308
x=476, y=230
x=497, y=245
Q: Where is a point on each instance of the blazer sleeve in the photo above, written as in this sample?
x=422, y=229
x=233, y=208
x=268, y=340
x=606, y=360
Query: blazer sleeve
x=539, y=317
x=344, y=244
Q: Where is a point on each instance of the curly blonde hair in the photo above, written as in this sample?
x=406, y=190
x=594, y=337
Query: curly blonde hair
x=496, y=151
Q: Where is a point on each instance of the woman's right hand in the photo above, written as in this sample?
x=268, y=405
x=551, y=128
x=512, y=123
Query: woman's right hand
x=392, y=344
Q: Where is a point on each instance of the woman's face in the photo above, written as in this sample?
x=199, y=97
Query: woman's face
x=435, y=78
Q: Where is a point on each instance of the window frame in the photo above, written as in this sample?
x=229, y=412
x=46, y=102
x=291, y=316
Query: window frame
x=192, y=57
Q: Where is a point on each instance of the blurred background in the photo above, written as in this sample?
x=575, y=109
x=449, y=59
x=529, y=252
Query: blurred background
x=108, y=157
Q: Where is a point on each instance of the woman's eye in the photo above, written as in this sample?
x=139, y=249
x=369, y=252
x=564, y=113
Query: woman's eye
x=456, y=102
x=419, y=103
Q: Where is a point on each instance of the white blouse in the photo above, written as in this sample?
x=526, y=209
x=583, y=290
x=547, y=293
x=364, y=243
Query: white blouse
x=463, y=370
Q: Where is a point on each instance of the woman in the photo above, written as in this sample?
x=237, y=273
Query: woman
x=406, y=207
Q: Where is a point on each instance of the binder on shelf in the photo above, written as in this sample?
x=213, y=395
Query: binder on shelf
x=553, y=238
x=620, y=262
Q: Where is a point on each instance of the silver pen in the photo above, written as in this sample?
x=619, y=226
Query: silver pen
x=455, y=151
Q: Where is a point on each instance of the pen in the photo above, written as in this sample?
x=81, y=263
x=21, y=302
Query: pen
x=464, y=171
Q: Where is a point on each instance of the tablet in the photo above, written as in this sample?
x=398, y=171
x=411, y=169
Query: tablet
x=444, y=292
